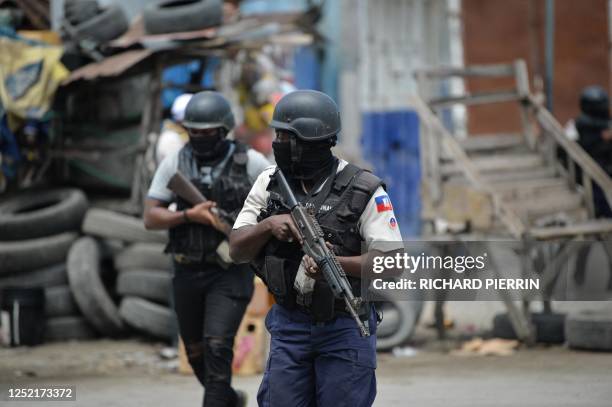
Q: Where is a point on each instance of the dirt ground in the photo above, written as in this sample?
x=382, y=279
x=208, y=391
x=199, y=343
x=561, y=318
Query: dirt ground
x=131, y=373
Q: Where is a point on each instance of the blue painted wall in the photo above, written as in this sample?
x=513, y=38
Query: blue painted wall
x=390, y=142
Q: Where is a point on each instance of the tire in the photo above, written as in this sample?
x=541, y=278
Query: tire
x=68, y=328
x=550, y=328
x=182, y=15
x=590, y=330
x=147, y=317
x=143, y=256
x=47, y=277
x=59, y=302
x=89, y=292
x=149, y=284
x=403, y=318
x=34, y=254
x=113, y=225
x=78, y=11
x=42, y=213
x=108, y=24
x=110, y=248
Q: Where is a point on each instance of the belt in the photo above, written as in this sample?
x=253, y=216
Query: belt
x=210, y=258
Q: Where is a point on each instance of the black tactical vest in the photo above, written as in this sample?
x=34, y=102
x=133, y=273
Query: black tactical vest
x=227, y=183
x=338, y=213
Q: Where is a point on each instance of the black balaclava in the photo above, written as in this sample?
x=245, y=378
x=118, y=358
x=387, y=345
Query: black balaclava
x=209, y=148
x=304, y=160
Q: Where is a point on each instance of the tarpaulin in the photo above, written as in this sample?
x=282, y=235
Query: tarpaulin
x=29, y=76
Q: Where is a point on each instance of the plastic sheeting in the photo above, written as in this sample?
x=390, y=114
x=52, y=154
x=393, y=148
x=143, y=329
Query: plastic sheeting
x=29, y=76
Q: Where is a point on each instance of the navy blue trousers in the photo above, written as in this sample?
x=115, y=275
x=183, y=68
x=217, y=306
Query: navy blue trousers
x=318, y=364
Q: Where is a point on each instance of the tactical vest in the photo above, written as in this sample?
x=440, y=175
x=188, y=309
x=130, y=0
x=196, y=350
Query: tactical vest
x=338, y=214
x=227, y=183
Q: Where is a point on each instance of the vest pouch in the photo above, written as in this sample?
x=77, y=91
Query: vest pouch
x=227, y=193
x=279, y=275
x=322, y=306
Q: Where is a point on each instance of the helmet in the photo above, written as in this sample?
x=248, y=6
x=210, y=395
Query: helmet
x=309, y=114
x=178, y=106
x=207, y=110
x=594, y=102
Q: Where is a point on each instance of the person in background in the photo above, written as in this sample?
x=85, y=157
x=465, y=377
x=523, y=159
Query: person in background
x=210, y=296
x=173, y=135
x=595, y=136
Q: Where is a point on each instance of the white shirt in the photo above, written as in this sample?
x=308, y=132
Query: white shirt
x=377, y=223
x=256, y=163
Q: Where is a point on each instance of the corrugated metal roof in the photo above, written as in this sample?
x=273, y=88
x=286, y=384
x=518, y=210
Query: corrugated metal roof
x=112, y=66
x=245, y=31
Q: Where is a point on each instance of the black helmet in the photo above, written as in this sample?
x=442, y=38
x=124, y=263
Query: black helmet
x=207, y=110
x=594, y=102
x=309, y=114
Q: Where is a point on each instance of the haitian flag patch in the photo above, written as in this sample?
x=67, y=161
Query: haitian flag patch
x=383, y=203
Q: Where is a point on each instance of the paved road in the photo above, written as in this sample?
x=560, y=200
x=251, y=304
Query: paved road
x=539, y=377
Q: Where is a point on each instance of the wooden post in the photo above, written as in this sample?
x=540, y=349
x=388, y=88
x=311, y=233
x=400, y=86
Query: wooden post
x=587, y=184
x=522, y=87
x=571, y=166
x=151, y=118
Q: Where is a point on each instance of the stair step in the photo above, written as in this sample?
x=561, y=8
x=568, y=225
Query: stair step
x=553, y=203
x=498, y=163
x=532, y=188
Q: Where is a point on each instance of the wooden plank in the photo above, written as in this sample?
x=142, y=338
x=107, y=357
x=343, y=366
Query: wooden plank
x=562, y=202
x=587, y=185
x=487, y=142
x=573, y=150
x=499, y=178
x=532, y=188
x=519, y=175
x=476, y=99
x=587, y=228
x=514, y=224
x=485, y=71
x=497, y=163
x=522, y=87
x=531, y=183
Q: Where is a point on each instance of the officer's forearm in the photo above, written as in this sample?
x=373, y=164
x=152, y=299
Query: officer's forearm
x=246, y=242
x=351, y=265
x=162, y=218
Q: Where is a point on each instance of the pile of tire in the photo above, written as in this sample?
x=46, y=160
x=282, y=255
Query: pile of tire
x=37, y=230
x=182, y=15
x=143, y=280
x=590, y=330
x=585, y=330
x=399, y=321
x=549, y=327
x=94, y=23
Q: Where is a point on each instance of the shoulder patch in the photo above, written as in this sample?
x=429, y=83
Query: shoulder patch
x=383, y=203
x=392, y=223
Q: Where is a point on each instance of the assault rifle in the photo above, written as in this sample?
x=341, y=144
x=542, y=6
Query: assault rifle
x=182, y=187
x=313, y=244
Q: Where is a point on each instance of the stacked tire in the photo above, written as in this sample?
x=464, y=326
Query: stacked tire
x=590, y=330
x=37, y=229
x=94, y=23
x=182, y=15
x=143, y=283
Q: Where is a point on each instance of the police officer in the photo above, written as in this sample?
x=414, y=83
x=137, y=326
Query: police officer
x=595, y=136
x=317, y=356
x=210, y=296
